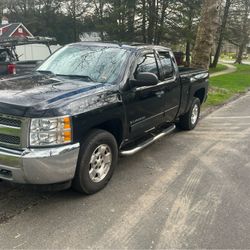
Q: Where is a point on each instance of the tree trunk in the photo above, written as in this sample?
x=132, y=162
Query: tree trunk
x=159, y=32
x=188, y=53
x=244, y=38
x=188, y=42
x=101, y=20
x=240, y=54
x=99, y=5
x=144, y=21
x=222, y=33
x=151, y=20
x=74, y=21
x=156, y=21
x=131, y=18
x=205, y=35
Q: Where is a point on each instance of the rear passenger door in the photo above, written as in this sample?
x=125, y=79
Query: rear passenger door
x=171, y=82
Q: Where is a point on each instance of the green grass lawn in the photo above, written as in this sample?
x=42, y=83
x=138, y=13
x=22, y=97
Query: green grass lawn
x=220, y=67
x=224, y=87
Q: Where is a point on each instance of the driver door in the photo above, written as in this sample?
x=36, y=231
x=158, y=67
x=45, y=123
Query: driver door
x=145, y=105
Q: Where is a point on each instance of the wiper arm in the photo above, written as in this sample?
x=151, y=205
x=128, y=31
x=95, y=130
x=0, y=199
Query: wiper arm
x=47, y=72
x=78, y=76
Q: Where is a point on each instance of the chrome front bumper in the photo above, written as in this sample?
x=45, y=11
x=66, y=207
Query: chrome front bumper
x=39, y=166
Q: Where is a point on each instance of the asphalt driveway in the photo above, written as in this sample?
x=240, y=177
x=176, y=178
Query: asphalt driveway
x=188, y=190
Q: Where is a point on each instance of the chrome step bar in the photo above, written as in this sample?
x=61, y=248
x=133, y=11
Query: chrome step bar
x=148, y=142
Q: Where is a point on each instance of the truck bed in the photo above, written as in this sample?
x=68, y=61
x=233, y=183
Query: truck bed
x=25, y=67
x=187, y=70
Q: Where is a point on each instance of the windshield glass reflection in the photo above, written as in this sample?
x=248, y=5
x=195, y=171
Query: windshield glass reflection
x=93, y=64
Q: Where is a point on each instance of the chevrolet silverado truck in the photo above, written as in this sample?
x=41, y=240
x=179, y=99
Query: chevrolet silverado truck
x=89, y=103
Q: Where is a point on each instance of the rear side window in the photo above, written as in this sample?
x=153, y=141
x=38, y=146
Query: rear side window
x=147, y=63
x=167, y=65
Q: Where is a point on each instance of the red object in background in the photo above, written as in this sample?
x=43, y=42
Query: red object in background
x=20, y=32
x=179, y=56
x=11, y=69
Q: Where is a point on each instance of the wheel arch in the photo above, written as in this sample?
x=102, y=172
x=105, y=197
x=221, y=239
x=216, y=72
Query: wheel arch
x=114, y=127
x=200, y=93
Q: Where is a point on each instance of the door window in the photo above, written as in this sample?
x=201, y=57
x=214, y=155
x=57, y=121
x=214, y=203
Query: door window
x=147, y=63
x=167, y=65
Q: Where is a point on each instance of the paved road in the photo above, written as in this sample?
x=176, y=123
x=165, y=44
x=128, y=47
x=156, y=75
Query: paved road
x=189, y=190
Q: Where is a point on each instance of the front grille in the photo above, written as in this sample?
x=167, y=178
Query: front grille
x=10, y=131
x=10, y=122
x=9, y=139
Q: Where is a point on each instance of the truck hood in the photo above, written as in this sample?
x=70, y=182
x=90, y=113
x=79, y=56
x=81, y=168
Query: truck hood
x=39, y=95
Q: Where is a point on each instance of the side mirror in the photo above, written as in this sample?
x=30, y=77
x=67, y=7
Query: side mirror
x=145, y=79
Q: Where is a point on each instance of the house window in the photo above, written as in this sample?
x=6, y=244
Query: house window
x=20, y=30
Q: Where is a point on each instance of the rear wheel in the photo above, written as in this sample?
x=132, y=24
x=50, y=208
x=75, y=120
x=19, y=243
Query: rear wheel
x=97, y=161
x=189, y=120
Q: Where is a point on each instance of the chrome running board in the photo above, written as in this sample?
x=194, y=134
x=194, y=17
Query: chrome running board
x=148, y=142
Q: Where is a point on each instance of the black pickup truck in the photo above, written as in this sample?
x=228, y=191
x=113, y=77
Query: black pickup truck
x=88, y=104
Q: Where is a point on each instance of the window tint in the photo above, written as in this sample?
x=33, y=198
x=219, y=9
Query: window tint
x=147, y=63
x=167, y=65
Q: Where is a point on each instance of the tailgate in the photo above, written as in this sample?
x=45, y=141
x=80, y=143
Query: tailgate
x=25, y=67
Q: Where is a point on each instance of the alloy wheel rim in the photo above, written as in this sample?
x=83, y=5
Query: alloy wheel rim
x=195, y=114
x=100, y=163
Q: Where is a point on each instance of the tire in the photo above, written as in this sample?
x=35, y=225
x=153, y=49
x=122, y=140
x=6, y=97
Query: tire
x=92, y=173
x=189, y=120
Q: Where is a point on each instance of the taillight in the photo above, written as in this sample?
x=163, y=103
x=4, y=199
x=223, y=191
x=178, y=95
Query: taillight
x=11, y=69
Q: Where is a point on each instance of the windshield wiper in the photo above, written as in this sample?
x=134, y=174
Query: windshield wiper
x=47, y=72
x=78, y=76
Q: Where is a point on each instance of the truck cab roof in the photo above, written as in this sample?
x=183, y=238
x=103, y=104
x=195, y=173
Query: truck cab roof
x=131, y=46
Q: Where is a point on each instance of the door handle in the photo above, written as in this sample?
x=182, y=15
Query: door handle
x=160, y=94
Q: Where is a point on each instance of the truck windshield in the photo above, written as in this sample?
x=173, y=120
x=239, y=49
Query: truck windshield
x=93, y=64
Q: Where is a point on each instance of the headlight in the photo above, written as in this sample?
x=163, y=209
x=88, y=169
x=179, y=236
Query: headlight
x=50, y=131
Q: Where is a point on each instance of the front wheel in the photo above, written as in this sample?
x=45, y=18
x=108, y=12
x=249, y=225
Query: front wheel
x=97, y=161
x=189, y=120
